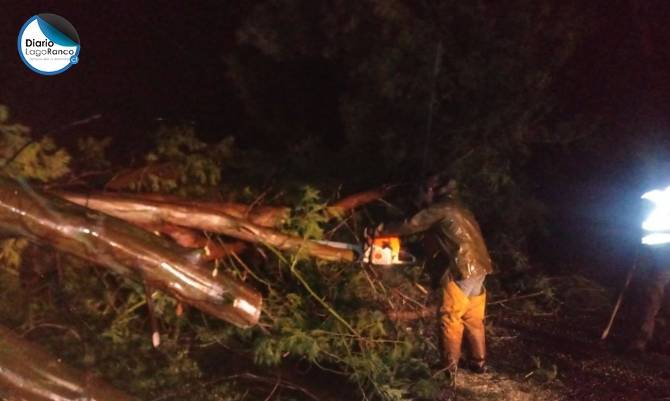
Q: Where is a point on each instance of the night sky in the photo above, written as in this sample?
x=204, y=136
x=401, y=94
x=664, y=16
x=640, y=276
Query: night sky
x=146, y=60
x=143, y=60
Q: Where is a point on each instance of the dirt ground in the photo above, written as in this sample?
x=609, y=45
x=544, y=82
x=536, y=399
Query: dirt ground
x=559, y=356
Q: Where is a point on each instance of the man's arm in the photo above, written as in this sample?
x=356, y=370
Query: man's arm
x=420, y=222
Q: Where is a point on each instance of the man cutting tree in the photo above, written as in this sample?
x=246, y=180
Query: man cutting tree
x=454, y=228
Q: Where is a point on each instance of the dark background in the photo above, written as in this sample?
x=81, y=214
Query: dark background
x=141, y=61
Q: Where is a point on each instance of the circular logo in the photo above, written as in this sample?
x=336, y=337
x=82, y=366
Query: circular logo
x=48, y=44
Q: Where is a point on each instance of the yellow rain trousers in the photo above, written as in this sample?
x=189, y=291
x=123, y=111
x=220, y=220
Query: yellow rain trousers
x=462, y=314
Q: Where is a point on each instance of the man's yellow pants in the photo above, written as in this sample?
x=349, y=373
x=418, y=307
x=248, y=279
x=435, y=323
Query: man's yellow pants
x=461, y=314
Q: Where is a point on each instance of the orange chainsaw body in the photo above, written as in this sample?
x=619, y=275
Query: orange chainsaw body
x=383, y=251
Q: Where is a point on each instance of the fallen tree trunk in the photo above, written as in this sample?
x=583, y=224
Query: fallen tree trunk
x=190, y=238
x=357, y=200
x=113, y=243
x=152, y=212
x=264, y=216
x=29, y=373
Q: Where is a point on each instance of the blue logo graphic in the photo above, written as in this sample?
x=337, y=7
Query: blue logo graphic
x=48, y=44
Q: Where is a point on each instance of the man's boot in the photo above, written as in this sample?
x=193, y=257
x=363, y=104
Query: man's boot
x=454, y=306
x=473, y=319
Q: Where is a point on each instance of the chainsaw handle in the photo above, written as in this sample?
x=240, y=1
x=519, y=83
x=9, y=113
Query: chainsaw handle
x=406, y=258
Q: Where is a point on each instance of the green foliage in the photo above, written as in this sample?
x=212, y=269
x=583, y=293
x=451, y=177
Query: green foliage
x=92, y=152
x=10, y=252
x=308, y=215
x=198, y=164
x=13, y=298
x=21, y=155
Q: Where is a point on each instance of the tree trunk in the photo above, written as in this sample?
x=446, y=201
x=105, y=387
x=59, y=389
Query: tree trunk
x=29, y=373
x=152, y=212
x=189, y=238
x=125, y=248
x=264, y=216
x=357, y=200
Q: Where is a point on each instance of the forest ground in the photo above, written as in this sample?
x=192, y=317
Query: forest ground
x=536, y=355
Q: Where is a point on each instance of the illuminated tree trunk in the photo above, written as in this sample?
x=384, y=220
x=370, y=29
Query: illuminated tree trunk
x=127, y=249
x=264, y=216
x=151, y=212
x=28, y=373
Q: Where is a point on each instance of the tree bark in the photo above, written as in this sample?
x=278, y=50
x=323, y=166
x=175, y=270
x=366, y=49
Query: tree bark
x=357, y=200
x=190, y=238
x=153, y=212
x=113, y=243
x=29, y=373
x=264, y=216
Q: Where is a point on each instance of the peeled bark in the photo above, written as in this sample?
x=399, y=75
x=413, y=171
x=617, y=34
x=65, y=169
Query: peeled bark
x=152, y=212
x=29, y=373
x=116, y=244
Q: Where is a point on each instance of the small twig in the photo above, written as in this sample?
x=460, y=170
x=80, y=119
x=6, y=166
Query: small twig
x=273, y=389
x=516, y=298
x=438, y=372
x=54, y=326
x=410, y=299
x=391, y=206
x=503, y=338
x=341, y=224
x=429, y=311
x=251, y=272
x=282, y=383
x=256, y=201
x=155, y=333
x=372, y=284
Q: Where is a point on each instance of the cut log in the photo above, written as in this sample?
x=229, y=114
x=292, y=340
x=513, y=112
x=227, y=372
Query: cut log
x=29, y=373
x=153, y=212
x=108, y=241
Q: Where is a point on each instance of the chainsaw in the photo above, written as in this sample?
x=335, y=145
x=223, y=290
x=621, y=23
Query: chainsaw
x=378, y=251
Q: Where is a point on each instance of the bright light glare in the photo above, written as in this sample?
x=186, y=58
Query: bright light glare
x=245, y=306
x=656, y=239
x=659, y=218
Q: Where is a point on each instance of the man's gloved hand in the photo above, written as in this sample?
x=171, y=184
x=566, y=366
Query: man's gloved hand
x=369, y=232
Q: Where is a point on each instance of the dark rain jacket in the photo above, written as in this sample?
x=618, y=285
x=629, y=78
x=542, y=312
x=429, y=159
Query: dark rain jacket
x=456, y=231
